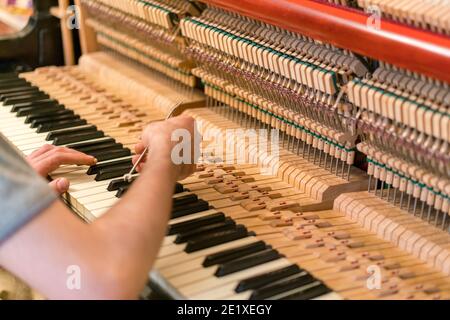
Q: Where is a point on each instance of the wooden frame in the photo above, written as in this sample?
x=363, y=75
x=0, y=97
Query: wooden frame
x=88, y=40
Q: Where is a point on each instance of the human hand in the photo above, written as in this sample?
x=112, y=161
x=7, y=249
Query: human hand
x=158, y=138
x=49, y=158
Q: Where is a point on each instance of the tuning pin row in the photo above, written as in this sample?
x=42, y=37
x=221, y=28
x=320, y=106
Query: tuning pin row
x=312, y=146
x=408, y=194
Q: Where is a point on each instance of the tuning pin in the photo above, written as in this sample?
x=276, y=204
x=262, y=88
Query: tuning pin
x=370, y=170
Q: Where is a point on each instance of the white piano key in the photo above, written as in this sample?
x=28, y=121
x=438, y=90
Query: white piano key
x=101, y=204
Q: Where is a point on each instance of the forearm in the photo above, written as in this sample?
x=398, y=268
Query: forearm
x=135, y=227
x=114, y=254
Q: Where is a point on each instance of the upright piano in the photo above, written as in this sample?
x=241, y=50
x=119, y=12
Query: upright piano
x=352, y=200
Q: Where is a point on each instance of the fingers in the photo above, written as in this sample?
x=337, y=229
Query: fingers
x=139, y=147
x=54, y=157
x=158, y=137
x=60, y=186
x=44, y=149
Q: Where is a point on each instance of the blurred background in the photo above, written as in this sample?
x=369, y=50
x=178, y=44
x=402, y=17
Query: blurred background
x=35, y=34
x=14, y=15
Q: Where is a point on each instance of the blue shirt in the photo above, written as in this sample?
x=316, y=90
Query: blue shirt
x=23, y=193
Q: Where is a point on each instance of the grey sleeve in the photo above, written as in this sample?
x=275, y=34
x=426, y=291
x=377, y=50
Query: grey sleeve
x=23, y=194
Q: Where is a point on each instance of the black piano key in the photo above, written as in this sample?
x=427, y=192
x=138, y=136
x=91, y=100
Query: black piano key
x=104, y=149
x=35, y=104
x=101, y=146
x=26, y=98
x=18, y=93
x=122, y=190
x=203, y=231
x=65, y=132
x=185, y=199
x=116, y=184
x=235, y=253
x=29, y=111
x=112, y=154
x=195, y=223
x=97, y=167
x=246, y=262
x=39, y=119
x=85, y=144
x=217, y=238
x=285, y=285
x=190, y=208
x=14, y=84
x=17, y=89
x=267, y=278
x=310, y=293
x=9, y=75
x=9, y=79
x=114, y=172
x=32, y=117
x=179, y=188
x=61, y=140
x=63, y=124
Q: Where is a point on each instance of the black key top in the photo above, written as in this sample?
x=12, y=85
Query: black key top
x=246, y=262
x=113, y=172
x=35, y=104
x=14, y=84
x=190, y=208
x=285, y=285
x=113, y=154
x=61, y=125
x=65, y=112
x=203, y=231
x=41, y=120
x=8, y=80
x=26, y=98
x=29, y=111
x=116, y=184
x=235, y=253
x=178, y=188
x=267, y=278
x=18, y=89
x=97, y=167
x=110, y=173
x=105, y=149
x=312, y=292
x=61, y=140
x=195, y=223
x=78, y=146
x=101, y=146
x=9, y=75
x=183, y=200
x=17, y=93
x=65, y=132
x=217, y=238
x=122, y=190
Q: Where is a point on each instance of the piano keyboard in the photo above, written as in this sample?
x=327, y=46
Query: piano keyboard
x=234, y=233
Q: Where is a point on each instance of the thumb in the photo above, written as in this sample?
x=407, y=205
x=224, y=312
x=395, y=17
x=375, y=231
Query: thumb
x=60, y=185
